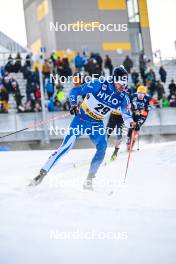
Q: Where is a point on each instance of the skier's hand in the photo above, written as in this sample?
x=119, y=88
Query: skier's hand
x=137, y=127
x=137, y=112
x=133, y=125
x=144, y=113
x=74, y=110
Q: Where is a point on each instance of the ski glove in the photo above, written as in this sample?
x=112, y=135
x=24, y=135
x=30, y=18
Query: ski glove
x=133, y=125
x=137, y=112
x=137, y=126
x=74, y=110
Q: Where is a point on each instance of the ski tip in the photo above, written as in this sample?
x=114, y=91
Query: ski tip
x=31, y=184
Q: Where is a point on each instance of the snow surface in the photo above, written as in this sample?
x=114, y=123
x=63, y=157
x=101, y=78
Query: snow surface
x=49, y=223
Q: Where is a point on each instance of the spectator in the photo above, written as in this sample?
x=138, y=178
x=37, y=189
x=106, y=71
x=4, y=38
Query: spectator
x=33, y=103
x=26, y=70
x=2, y=72
x=59, y=66
x=29, y=107
x=172, y=87
x=17, y=65
x=66, y=67
x=172, y=100
x=78, y=62
x=66, y=105
x=35, y=76
x=28, y=60
x=128, y=64
x=150, y=75
x=18, y=99
x=99, y=61
x=37, y=107
x=151, y=87
x=132, y=89
x=135, y=77
x=108, y=64
x=46, y=69
x=59, y=99
x=37, y=94
x=7, y=83
x=9, y=67
x=53, y=57
x=165, y=102
x=49, y=87
x=17, y=96
x=4, y=98
x=163, y=74
x=142, y=66
x=14, y=85
x=85, y=59
x=93, y=68
x=51, y=105
x=160, y=90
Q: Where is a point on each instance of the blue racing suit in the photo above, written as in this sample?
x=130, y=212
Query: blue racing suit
x=100, y=99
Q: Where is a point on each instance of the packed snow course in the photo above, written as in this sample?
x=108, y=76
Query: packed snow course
x=59, y=222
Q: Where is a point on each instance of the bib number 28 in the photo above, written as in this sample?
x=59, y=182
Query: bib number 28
x=103, y=110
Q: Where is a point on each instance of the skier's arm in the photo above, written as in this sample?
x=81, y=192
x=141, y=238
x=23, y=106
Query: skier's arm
x=91, y=87
x=126, y=113
x=147, y=108
x=149, y=104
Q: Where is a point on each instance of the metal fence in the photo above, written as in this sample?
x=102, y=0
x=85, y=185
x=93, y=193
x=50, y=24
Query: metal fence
x=160, y=121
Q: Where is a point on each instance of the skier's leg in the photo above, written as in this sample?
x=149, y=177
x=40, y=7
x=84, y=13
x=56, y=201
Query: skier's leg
x=111, y=125
x=67, y=144
x=141, y=121
x=118, y=141
x=75, y=130
x=119, y=124
x=101, y=144
x=129, y=134
x=100, y=140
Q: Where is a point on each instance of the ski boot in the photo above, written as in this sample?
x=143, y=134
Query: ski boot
x=114, y=155
x=88, y=183
x=39, y=178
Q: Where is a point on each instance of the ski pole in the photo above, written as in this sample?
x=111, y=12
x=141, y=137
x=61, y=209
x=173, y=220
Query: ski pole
x=138, y=143
x=17, y=131
x=129, y=154
x=40, y=123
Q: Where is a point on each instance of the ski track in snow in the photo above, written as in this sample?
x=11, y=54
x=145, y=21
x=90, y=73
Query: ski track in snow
x=144, y=208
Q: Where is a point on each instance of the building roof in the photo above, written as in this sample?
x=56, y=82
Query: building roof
x=9, y=45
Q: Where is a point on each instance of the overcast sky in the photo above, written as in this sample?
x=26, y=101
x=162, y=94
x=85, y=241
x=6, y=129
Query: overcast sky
x=162, y=15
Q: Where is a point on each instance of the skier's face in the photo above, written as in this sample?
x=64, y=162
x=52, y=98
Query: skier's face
x=141, y=96
x=120, y=87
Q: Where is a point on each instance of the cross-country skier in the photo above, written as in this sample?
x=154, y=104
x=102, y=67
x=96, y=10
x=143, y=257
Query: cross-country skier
x=101, y=99
x=115, y=120
x=140, y=106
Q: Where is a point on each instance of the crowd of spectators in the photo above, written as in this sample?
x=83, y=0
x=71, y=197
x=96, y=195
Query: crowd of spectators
x=55, y=97
x=8, y=85
x=147, y=76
